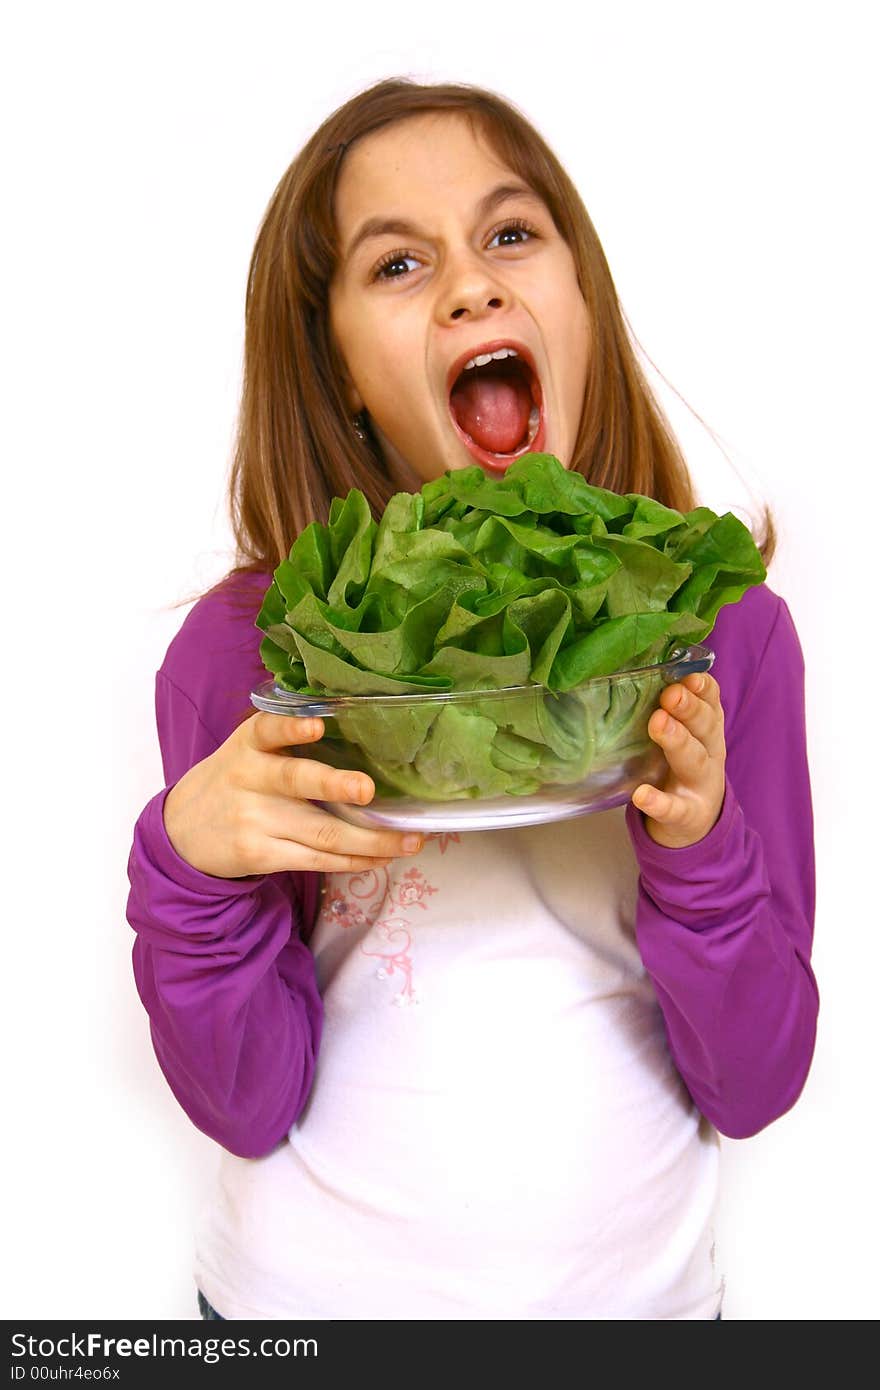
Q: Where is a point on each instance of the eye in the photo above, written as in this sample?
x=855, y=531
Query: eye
x=515, y=224
x=393, y=258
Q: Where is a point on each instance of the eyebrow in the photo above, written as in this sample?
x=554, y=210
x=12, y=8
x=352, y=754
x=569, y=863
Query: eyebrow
x=396, y=226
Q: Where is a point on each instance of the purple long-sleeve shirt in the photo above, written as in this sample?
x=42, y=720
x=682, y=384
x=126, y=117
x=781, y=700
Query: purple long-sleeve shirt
x=724, y=927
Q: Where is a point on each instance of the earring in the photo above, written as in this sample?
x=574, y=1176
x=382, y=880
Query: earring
x=358, y=428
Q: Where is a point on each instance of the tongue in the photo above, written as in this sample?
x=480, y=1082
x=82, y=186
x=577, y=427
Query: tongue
x=493, y=410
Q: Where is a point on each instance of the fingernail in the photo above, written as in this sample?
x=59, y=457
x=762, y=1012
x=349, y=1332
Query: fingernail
x=663, y=723
x=412, y=843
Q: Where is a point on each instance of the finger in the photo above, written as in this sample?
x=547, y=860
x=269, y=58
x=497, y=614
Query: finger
x=323, y=836
x=700, y=718
x=269, y=732
x=659, y=805
x=702, y=684
x=307, y=779
x=291, y=856
x=686, y=755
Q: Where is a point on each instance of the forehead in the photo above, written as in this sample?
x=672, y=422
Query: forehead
x=419, y=162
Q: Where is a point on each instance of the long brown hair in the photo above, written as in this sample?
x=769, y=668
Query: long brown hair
x=295, y=446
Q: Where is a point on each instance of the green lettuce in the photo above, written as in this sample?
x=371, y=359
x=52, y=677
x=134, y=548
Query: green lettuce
x=536, y=579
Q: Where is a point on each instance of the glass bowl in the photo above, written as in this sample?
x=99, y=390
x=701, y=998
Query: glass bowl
x=491, y=759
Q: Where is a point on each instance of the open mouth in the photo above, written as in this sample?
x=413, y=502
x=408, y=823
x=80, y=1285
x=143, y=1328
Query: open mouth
x=498, y=411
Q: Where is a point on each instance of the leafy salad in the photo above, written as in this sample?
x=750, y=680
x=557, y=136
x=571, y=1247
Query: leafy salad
x=536, y=578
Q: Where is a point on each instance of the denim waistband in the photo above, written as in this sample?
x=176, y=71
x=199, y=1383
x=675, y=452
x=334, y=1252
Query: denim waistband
x=206, y=1311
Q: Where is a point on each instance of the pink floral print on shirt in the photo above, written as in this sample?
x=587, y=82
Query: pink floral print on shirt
x=388, y=938
x=444, y=838
x=412, y=890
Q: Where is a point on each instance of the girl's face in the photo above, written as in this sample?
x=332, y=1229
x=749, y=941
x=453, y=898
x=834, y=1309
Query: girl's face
x=410, y=304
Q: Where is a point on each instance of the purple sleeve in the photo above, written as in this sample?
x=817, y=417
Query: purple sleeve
x=228, y=985
x=725, y=926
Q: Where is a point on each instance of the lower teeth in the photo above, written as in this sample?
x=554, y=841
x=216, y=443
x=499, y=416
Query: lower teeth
x=534, y=421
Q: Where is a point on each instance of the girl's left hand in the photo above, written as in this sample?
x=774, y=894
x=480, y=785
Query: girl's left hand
x=689, y=803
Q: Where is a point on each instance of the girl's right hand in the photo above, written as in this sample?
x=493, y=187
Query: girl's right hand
x=246, y=808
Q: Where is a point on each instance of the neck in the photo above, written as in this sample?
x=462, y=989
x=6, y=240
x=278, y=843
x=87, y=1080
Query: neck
x=403, y=477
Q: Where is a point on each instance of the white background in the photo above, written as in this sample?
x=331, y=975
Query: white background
x=723, y=152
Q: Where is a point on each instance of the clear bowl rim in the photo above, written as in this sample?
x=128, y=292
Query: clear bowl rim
x=266, y=696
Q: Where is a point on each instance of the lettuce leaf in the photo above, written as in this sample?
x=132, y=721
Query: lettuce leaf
x=536, y=579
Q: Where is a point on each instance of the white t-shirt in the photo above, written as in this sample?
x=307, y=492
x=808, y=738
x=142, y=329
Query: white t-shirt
x=496, y=1128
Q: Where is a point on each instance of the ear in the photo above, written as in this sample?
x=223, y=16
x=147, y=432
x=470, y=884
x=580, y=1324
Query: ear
x=354, y=403
x=353, y=399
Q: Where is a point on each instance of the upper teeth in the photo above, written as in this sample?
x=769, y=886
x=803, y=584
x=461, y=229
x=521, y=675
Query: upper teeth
x=485, y=357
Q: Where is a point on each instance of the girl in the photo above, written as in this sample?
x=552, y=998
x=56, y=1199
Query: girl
x=582, y=1007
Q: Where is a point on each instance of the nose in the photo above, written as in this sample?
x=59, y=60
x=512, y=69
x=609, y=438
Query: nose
x=476, y=308
x=470, y=289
